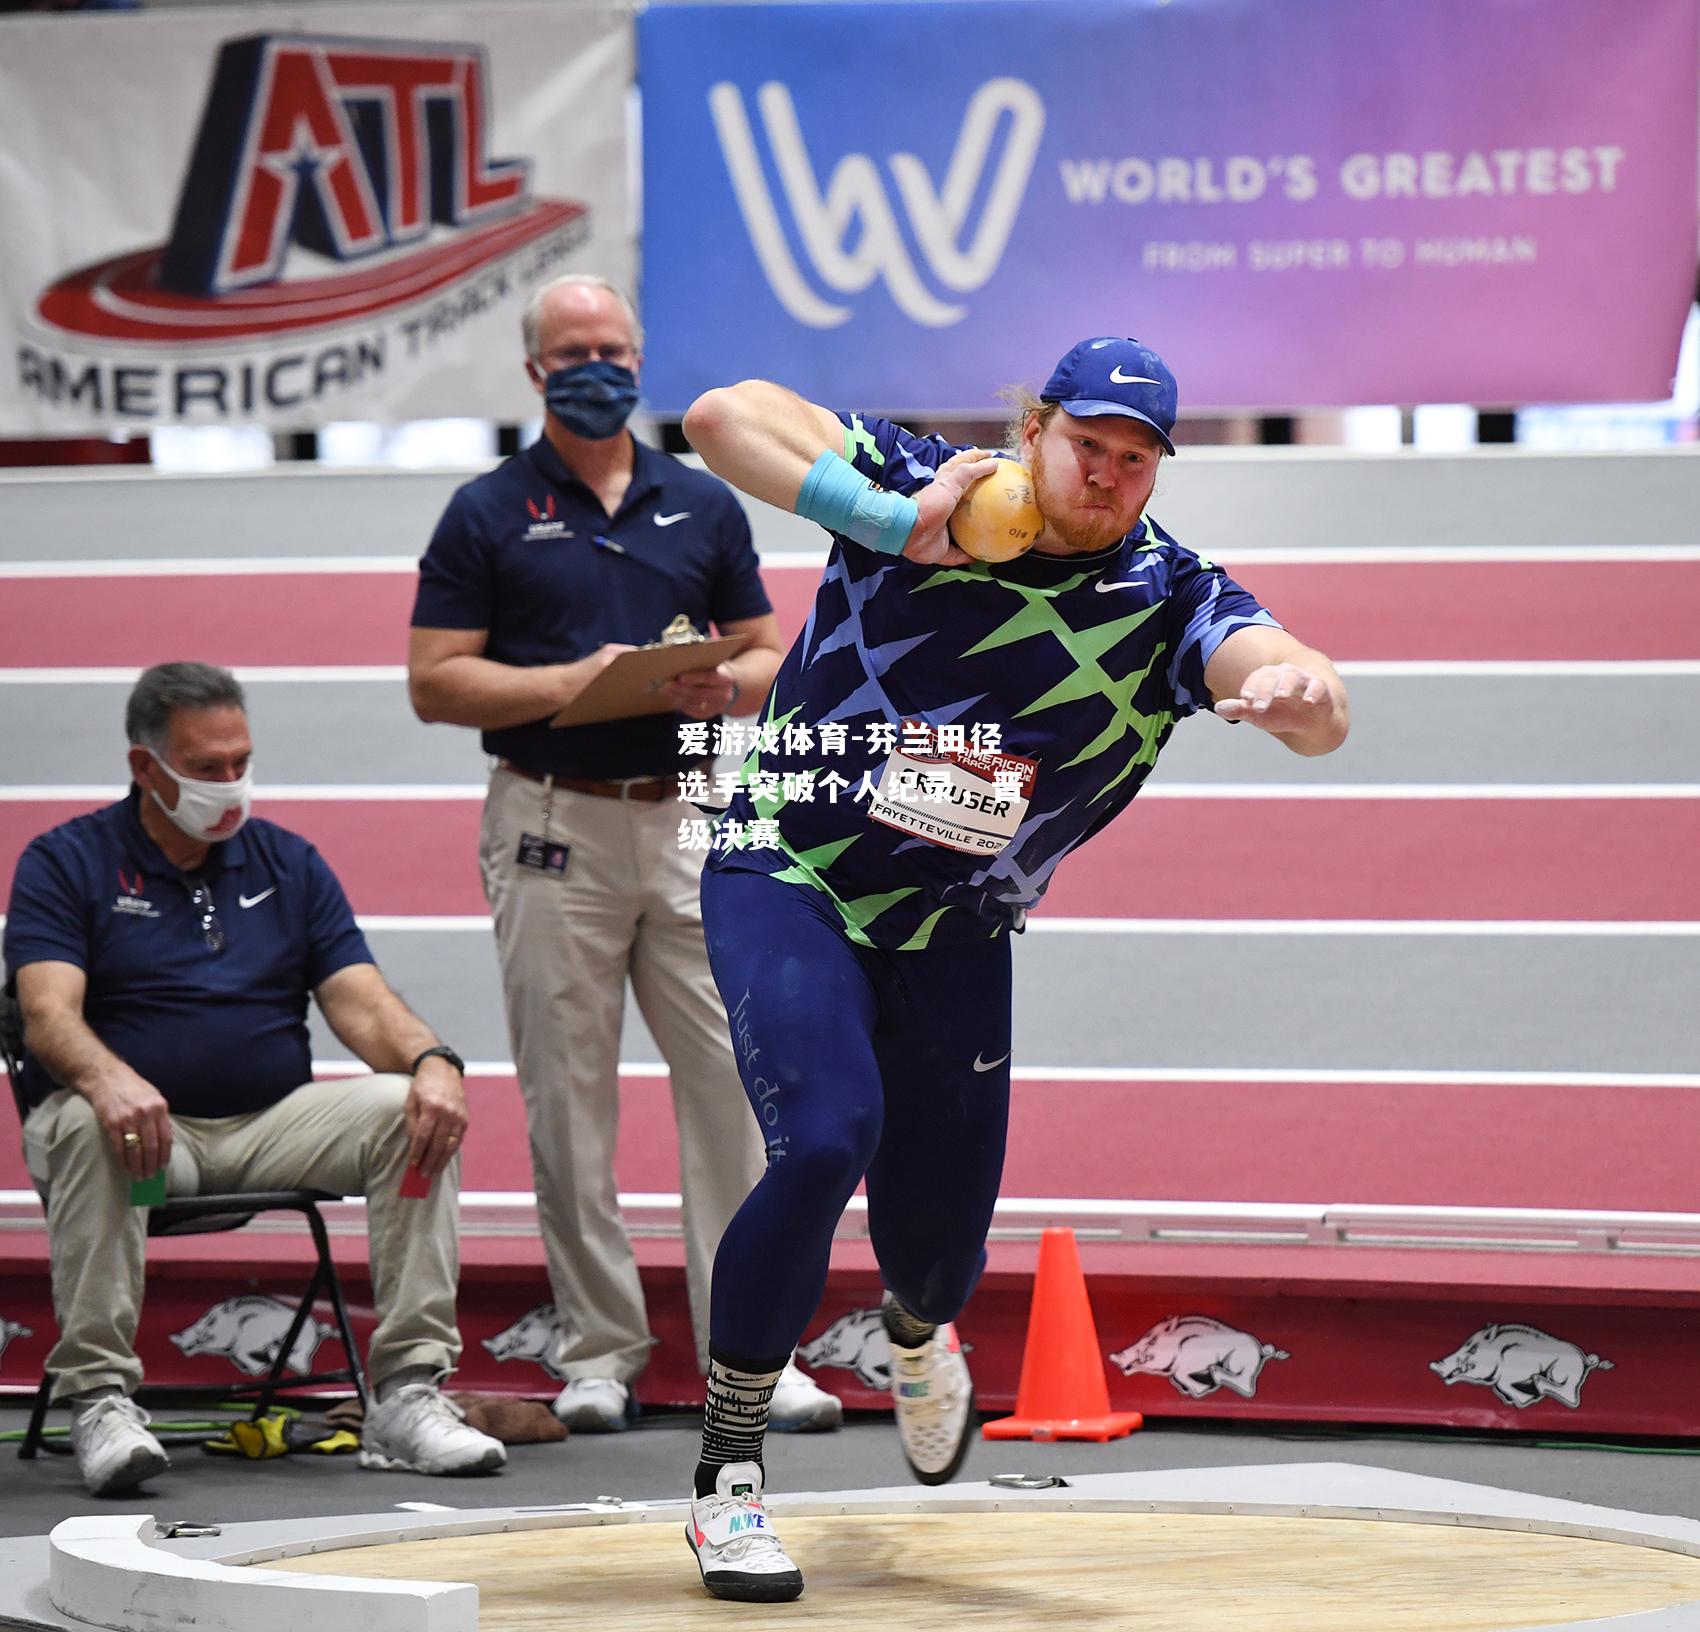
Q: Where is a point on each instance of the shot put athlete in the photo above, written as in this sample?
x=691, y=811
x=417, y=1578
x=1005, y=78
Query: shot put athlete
x=942, y=734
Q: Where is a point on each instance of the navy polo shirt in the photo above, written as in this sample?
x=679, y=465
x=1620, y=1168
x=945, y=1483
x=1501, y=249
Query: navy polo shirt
x=527, y=553
x=217, y=1033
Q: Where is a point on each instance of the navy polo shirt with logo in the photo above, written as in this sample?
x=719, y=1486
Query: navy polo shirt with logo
x=528, y=553
x=218, y=1033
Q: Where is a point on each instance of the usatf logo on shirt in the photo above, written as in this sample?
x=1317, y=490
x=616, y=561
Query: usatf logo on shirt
x=132, y=903
x=543, y=522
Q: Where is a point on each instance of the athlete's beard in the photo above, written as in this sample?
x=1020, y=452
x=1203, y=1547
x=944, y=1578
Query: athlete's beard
x=1071, y=532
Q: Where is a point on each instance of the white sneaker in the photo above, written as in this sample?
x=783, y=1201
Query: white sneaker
x=595, y=1405
x=730, y=1532
x=114, y=1450
x=419, y=1430
x=934, y=1398
x=801, y=1406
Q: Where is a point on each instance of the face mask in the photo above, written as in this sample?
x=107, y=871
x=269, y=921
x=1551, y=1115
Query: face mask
x=208, y=811
x=592, y=400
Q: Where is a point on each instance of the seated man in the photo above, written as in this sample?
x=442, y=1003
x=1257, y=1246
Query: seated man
x=164, y=949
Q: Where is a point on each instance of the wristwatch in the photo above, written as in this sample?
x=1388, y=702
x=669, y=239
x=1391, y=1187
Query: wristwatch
x=443, y=1052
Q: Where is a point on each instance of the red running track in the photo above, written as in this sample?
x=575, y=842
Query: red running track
x=1470, y=1145
x=1439, y=611
x=1338, y=858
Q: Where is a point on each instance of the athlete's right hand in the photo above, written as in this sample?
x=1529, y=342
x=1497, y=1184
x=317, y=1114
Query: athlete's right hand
x=929, y=541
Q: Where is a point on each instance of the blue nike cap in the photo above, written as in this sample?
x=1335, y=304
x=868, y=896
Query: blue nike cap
x=1110, y=375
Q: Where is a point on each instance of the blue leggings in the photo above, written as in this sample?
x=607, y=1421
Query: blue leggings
x=893, y=1066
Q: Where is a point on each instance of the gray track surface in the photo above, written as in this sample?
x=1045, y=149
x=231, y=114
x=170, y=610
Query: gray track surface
x=1449, y=730
x=1466, y=1003
x=1212, y=499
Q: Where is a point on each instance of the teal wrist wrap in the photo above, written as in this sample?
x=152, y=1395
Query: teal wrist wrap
x=842, y=500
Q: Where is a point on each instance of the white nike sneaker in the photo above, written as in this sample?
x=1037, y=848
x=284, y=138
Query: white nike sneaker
x=934, y=1400
x=801, y=1406
x=114, y=1450
x=595, y=1405
x=730, y=1532
x=419, y=1430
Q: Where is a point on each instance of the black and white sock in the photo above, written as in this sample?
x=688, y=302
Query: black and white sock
x=906, y=1331
x=734, y=1415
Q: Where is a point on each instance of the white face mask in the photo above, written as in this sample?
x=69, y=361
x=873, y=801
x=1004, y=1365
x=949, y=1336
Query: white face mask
x=208, y=811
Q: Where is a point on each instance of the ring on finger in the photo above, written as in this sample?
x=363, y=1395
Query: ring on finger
x=132, y=1138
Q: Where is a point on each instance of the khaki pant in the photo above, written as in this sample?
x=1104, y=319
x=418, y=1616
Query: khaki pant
x=346, y=1135
x=626, y=907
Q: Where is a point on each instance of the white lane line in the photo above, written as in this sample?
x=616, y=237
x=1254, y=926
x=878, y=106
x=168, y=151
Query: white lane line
x=1420, y=790
x=453, y=793
x=814, y=559
x=1279, y=1076
x=1374, y=555
x=1563, y=668
x=1385, y=928
x=221, y=566
x=1441, y=668
x=1365, y=926
x=1553, y=927
x=393, y=674
x=450, y=792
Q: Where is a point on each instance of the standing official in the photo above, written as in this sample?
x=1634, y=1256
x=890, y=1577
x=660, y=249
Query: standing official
x=539, y=574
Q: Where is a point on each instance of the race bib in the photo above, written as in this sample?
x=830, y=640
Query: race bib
x=970, y=799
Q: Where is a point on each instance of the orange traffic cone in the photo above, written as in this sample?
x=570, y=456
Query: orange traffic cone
x=1063, y=1394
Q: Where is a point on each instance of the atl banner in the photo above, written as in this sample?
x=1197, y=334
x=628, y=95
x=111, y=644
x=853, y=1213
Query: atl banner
x=265, y=225
x=904, y=207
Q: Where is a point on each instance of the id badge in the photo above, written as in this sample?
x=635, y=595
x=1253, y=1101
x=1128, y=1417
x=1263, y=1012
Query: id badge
x=540, y=855
x=970, y=800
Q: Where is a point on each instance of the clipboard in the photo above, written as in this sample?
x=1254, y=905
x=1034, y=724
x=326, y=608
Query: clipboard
x=631, y=685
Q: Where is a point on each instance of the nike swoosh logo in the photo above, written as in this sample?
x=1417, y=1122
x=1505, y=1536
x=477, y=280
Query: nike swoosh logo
x=1103, y=587
x=989, y=1065
x=667, y=521
x=255, y=900
x=1131, y=379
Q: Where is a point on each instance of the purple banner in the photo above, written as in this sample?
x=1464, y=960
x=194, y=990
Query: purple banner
x=1305, y=203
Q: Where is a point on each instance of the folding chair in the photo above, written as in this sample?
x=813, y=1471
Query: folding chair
x=203, y=1215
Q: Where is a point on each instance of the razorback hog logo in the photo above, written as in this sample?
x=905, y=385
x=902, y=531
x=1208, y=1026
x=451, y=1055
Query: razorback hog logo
x=1199, y=1355
x=350, y=149
x=858, y=1343
x=535, y=1336
x=1521, y=1364
x=10, y=1329
x=248, y=1332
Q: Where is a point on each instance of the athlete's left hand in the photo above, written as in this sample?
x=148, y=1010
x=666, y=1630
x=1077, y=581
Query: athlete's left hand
x=1281, y=698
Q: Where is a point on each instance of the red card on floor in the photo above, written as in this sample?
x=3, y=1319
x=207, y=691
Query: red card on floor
x=413, y=1182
